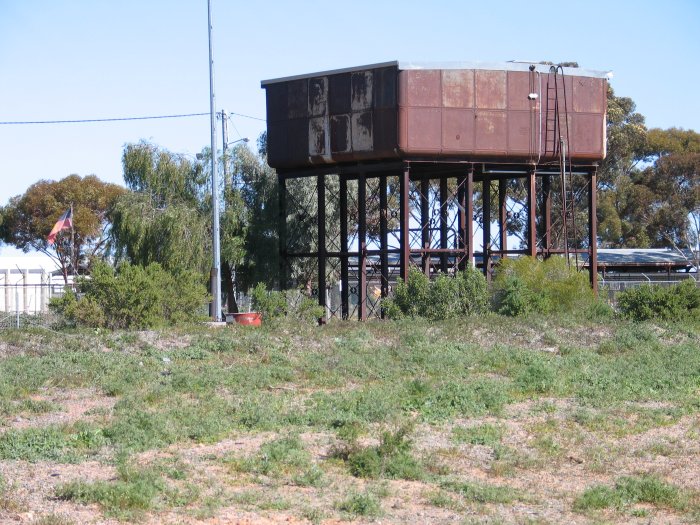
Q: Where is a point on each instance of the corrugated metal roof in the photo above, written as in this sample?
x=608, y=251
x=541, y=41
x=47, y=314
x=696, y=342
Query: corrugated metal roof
x=643, y=257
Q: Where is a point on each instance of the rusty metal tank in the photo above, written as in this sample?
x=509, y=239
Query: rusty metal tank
x=476, y=112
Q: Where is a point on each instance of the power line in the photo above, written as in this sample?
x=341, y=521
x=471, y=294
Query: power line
x=115, y=119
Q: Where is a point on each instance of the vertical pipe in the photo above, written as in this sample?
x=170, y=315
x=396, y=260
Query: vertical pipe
x=502, y=217
x=593, y=233
x=547, y=212
x=362, y=245
x=282, y=228
x=469, y=223
x=43, y=292
x=443, y=223
x=531, y=213
x=344, y=257
x=383, y=237
x=216, y=257
x=404, y=233
x=462, y=220
x=486, y=225
x=425, y=223
x=321, y=255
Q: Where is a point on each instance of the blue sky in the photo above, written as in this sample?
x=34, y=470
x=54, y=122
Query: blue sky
x=84, y=59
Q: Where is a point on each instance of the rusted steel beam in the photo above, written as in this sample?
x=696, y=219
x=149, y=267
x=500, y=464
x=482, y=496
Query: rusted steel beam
x=502, y=217
x=321, y=194
x=344, y=277
x=443, y=222
x=282, y=228
x=469, y=197
x=532, y=213
x=462, y=219
x=404, y=215
x=425, y=222
x=362, y=246
x=547, y=213
x=384, y=237
x=593, y=233
x=486, y=225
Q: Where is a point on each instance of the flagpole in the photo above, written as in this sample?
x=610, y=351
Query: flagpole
x=216, y=268
x=72, y=242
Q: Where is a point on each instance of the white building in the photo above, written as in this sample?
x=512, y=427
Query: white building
x=27, y=282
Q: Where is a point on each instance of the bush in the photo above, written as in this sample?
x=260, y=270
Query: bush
x=274, y=305
x=673, y=303
x=133, y=297
x=527, y=285
x=443, y=298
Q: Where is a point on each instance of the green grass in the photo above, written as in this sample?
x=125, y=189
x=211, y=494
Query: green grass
x=364, y=504
x=631, y=490
x=481, y=493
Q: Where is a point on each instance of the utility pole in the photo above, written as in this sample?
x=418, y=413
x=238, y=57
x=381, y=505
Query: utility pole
x=224, y=136
x=216, y=258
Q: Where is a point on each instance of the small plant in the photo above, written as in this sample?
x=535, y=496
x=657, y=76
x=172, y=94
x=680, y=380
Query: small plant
x=631, y=490
x=481, y=493
x=392, y=458
x=361, y=504
x=486, y=434
x=277, y=304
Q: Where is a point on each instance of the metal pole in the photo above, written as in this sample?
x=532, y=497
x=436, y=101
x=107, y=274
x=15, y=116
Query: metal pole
x=593, y=233
x=216, y=268
x=224, y=152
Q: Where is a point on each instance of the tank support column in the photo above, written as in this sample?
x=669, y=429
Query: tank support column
x=532, y=213
x=425, y=223
x=502, y=217
x=547, y=214
x=593, y=233
x=383, y=238
x=443, y=224
x=362, y=246
x=321, y=194
x=344, y=257
x=282, y=225
x=486, y=225
x=404, y=215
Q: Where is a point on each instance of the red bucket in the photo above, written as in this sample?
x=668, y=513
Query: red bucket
x=248, y=318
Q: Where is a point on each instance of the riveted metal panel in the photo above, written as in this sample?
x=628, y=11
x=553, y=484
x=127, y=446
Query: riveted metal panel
x=339, y=94
x=491, y=132
x=361, y=91
x=491, y=89
x=340, y=134
x=298, y=96
x=318, y=97
x=589, y=95
x=362, y=131
x=420, y=88
x=458, y=130
x=458, y=88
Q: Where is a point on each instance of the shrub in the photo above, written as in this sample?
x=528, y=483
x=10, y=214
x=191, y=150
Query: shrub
x=466, y=293
x=673, y=303
x=133, y=297
x=527, y=285
x=274, y=304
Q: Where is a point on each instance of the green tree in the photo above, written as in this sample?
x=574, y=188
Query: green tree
x=28, y=219
x=163, y=218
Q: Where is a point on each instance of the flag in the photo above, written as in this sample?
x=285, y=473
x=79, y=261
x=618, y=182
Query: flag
x=64, y=222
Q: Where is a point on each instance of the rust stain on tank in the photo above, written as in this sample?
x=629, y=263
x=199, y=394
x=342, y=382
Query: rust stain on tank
x=318, y=96
x=362, y=131
x=361, y=91
x=458, y=88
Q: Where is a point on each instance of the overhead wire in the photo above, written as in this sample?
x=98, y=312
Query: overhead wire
x=115, y=119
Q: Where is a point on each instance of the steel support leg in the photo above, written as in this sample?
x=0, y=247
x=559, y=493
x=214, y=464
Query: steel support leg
x=532, y=213
x=486, y=225
x=383, y=237
x=547, y=212
x=321, y=193
x=344, y=258
x=469, y=222
x=282, y=228
x=404, y=233
x=425, y=223
x=462, y=239
x=443, y=223
x=362, y=246
x=593, y=233
x=502, y=218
